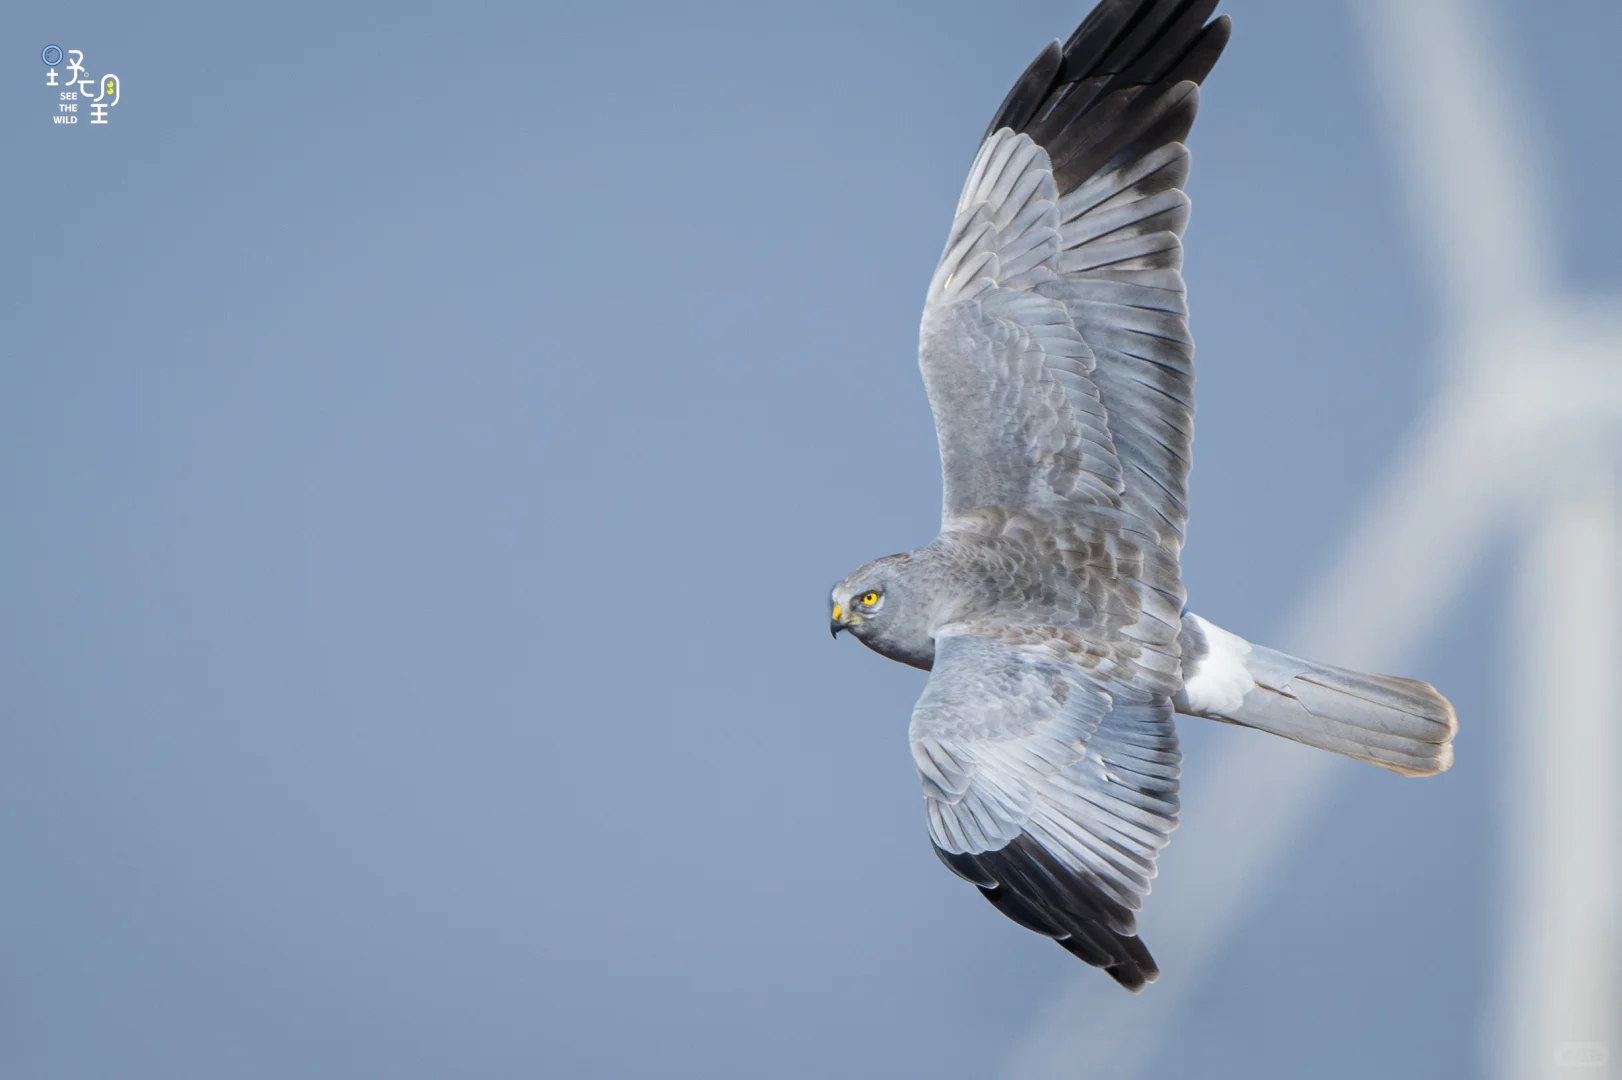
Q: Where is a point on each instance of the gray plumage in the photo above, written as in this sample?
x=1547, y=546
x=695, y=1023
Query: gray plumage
x=1398, y=724
x=1057, y=357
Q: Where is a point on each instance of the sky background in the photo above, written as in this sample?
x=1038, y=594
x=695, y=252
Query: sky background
x=426, y=444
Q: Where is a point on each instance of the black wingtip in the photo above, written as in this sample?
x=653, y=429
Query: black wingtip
x=1138, y=969
x=1024, y=882
x=1117, y=85
x=1206, y=50
x=1131, y=978
x=1029, y=90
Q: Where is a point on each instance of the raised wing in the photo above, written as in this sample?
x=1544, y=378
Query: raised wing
x=1051, y=791
x=1055, y=343
x=1019, y=420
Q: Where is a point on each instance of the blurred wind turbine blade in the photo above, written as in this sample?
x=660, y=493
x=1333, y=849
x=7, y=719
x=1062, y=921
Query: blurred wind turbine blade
x=1468, y=157
x=1560, y=993
x=1419, y=540
x=1419, y=536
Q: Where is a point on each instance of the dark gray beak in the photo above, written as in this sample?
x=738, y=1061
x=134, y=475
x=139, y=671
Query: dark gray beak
x=834, y=626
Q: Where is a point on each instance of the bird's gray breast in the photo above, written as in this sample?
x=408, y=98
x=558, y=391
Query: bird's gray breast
x=917, y=652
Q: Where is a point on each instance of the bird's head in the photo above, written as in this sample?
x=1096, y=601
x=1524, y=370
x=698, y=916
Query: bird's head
x=883, y=607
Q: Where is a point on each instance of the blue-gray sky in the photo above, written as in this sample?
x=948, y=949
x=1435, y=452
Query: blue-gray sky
x=426, y=441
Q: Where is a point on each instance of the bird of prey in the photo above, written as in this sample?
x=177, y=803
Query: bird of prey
x=1049, y=612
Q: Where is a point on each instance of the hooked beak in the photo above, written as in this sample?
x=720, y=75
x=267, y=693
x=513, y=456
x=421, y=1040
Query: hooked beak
x=835, y=624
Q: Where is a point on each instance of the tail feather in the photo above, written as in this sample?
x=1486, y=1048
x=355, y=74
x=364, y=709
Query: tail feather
x=1399, y=724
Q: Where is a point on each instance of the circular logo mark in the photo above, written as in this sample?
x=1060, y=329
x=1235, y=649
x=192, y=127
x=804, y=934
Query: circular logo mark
x=51, y=55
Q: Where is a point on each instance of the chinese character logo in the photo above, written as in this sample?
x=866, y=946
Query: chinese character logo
x=73, y=86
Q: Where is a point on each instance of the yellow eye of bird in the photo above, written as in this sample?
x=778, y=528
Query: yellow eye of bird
x=869, y=599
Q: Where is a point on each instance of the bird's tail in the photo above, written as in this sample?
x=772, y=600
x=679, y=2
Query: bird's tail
x=1399, y=724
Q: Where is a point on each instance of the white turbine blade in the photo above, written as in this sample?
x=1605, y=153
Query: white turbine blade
x=1418, y=538
x=1560, y=992
x=1464, y=145
x=1397, y=572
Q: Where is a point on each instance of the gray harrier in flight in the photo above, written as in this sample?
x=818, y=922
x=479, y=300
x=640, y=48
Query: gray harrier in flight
x=1050, y=611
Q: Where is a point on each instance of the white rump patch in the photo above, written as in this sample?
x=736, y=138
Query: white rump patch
x=1219, y=682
